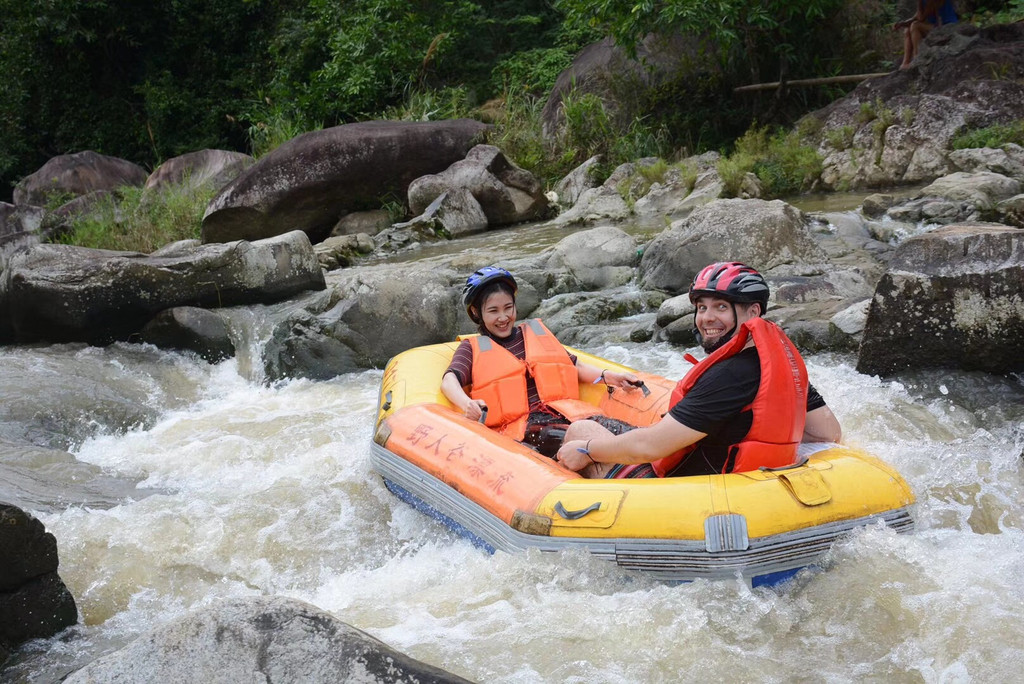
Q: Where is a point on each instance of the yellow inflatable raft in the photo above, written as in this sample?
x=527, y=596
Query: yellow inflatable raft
x=763, y=525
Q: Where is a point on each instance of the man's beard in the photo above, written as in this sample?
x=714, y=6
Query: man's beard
x=719, y=341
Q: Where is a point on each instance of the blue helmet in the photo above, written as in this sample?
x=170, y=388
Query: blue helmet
x=481, y=277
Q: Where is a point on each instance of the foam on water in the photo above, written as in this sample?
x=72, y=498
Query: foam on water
x=268, y=490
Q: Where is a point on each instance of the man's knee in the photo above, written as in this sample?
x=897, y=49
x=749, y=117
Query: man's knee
x=585, y=429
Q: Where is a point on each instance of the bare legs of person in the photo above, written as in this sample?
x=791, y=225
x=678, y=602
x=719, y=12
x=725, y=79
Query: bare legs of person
x=912, y=37
x=586, y=430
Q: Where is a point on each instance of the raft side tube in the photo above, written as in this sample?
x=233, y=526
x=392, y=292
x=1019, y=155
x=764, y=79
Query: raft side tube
x=676, y=560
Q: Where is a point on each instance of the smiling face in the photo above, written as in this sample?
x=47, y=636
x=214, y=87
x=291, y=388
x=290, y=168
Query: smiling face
x=499, y=314
x=717, y=319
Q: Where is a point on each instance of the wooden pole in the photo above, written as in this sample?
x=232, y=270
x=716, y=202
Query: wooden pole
x=849, y=78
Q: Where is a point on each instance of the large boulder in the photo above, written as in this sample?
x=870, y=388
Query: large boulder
x=312, y=180
x=78, y=174
x=506, y=193
x=953, y=297
x=205, y=168
x=34, y=603
x=767, y=235
x=898, y=128
x=264, y=639
x=365, y=317
x=620, y=81
x=598, y=258
x=65, y=293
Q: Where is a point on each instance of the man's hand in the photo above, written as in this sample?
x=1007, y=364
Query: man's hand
x=573, y=456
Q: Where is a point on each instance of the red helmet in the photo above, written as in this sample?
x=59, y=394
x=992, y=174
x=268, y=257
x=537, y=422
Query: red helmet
x=731, y=281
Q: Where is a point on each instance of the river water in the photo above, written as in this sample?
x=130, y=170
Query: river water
x=188, y=482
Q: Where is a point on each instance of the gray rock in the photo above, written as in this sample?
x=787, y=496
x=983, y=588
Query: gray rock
x=903, y=123
x=203, y=169
x=982, y=189
x=596, y=204
x=453, y=213
x=6, y=210
x=680, y=331
x=851, y=320
x=598, y=258
x=876, y=205
x=266, y=639
x=190, y=328
x=1007, y=161
x=767, y=235
x=365, y=317
x=674, y=308
x=953, y=297
x=29, y=550
x=341, y=250
x=34, y=603
x=64, y=293
x=578, y=181
x=565, y=312
x=309, y=182
x=24, y=218
x=506, y=193
x=1011, y=211
x=370, y=222
x=77, y=174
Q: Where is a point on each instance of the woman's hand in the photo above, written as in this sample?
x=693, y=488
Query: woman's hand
x=474, y=409
x=573, y=455
x=624, y=380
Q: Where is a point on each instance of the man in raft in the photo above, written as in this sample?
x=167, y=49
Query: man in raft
x=521, y=375
x=746, y=405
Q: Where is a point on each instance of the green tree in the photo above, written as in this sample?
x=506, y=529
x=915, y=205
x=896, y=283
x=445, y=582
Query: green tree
x=143, y=82
x=780, y=30
x=337, y=62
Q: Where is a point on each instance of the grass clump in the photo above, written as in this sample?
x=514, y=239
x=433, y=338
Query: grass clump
x=840, y=138
x=781, y=161
x=432, y=105
x=125, y=222
x=588, y=130
x=991, y=136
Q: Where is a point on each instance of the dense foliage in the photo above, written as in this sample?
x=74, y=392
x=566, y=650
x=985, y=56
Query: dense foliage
x=150, y=81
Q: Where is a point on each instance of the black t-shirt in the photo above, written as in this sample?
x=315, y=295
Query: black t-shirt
x=714, y=405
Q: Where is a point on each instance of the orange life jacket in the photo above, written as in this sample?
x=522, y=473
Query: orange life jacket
x=779, y=407
x=499, y=379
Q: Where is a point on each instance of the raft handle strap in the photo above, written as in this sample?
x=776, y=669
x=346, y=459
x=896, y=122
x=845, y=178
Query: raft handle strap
x=799, y=462
x=483, y=415
x=576, y=515
x=387, y=401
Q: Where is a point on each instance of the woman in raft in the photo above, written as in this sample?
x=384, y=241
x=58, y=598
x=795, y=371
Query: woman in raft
x=519, y=379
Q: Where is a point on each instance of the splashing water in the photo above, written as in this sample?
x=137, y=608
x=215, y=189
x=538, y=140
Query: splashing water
x=233, y=489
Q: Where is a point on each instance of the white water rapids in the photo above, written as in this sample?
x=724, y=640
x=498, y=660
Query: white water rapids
x=244, y=490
